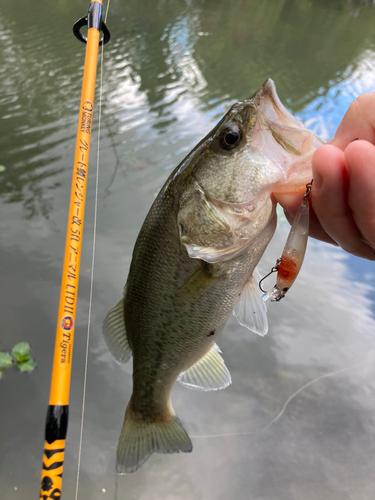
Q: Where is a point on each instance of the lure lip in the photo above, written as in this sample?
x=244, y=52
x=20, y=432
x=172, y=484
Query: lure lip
x=274, y=295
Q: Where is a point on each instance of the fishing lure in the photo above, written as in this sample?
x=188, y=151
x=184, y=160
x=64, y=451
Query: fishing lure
x=289, y=264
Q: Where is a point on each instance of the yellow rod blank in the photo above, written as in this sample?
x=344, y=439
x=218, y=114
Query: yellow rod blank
x=57, y=415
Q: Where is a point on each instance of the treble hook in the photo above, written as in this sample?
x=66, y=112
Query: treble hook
x=273, y=270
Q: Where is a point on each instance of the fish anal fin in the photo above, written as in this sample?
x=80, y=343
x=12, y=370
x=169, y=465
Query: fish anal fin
x=207, y=374
x=115, y=334
x=250, y=310
x=140, y=438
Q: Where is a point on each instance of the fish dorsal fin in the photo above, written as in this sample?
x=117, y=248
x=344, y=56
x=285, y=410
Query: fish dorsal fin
x=115, y=334
x=250, y=310
x=207, y=374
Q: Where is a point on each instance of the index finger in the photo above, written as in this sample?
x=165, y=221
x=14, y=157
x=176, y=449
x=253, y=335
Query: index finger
x=358, y=122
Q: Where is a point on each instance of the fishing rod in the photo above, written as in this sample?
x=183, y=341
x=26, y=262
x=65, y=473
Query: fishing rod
x=58, y=409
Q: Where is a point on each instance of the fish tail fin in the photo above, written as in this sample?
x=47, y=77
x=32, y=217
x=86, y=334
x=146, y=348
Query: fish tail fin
x=140, y=438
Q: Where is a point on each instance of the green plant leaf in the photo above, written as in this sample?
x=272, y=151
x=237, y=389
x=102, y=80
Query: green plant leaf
x=6, y=360
x=2, y=168
x=1, y=374
x=21, y=352
x=27, y=366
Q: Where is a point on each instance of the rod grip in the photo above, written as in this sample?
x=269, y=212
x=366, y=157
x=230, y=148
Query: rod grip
x=54, y=450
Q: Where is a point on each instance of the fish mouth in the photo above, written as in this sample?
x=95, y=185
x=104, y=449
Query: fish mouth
x=269, y=105
x=289, y=145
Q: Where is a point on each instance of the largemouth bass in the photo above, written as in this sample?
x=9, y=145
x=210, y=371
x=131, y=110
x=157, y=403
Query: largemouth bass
x=194, y=259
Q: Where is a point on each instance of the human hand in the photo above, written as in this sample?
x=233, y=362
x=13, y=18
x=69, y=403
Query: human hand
x=343, y=192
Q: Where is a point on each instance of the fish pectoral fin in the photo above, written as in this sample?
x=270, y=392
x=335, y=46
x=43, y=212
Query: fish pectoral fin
x=207, y=374
x=115, y=334
x=140, y=438
x=251, y=310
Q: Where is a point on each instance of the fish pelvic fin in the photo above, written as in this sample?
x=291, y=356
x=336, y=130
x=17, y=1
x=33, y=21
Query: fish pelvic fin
x=207, y=374
x=115, y=334
x=140, y=438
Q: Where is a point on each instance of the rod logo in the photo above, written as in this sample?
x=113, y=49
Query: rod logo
x=86, y=120
x=87, y=106
x=67, y=323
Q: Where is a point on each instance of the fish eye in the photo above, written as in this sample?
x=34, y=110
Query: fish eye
x=230, y=138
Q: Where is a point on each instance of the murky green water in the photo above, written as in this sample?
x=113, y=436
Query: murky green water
x=170, y=71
